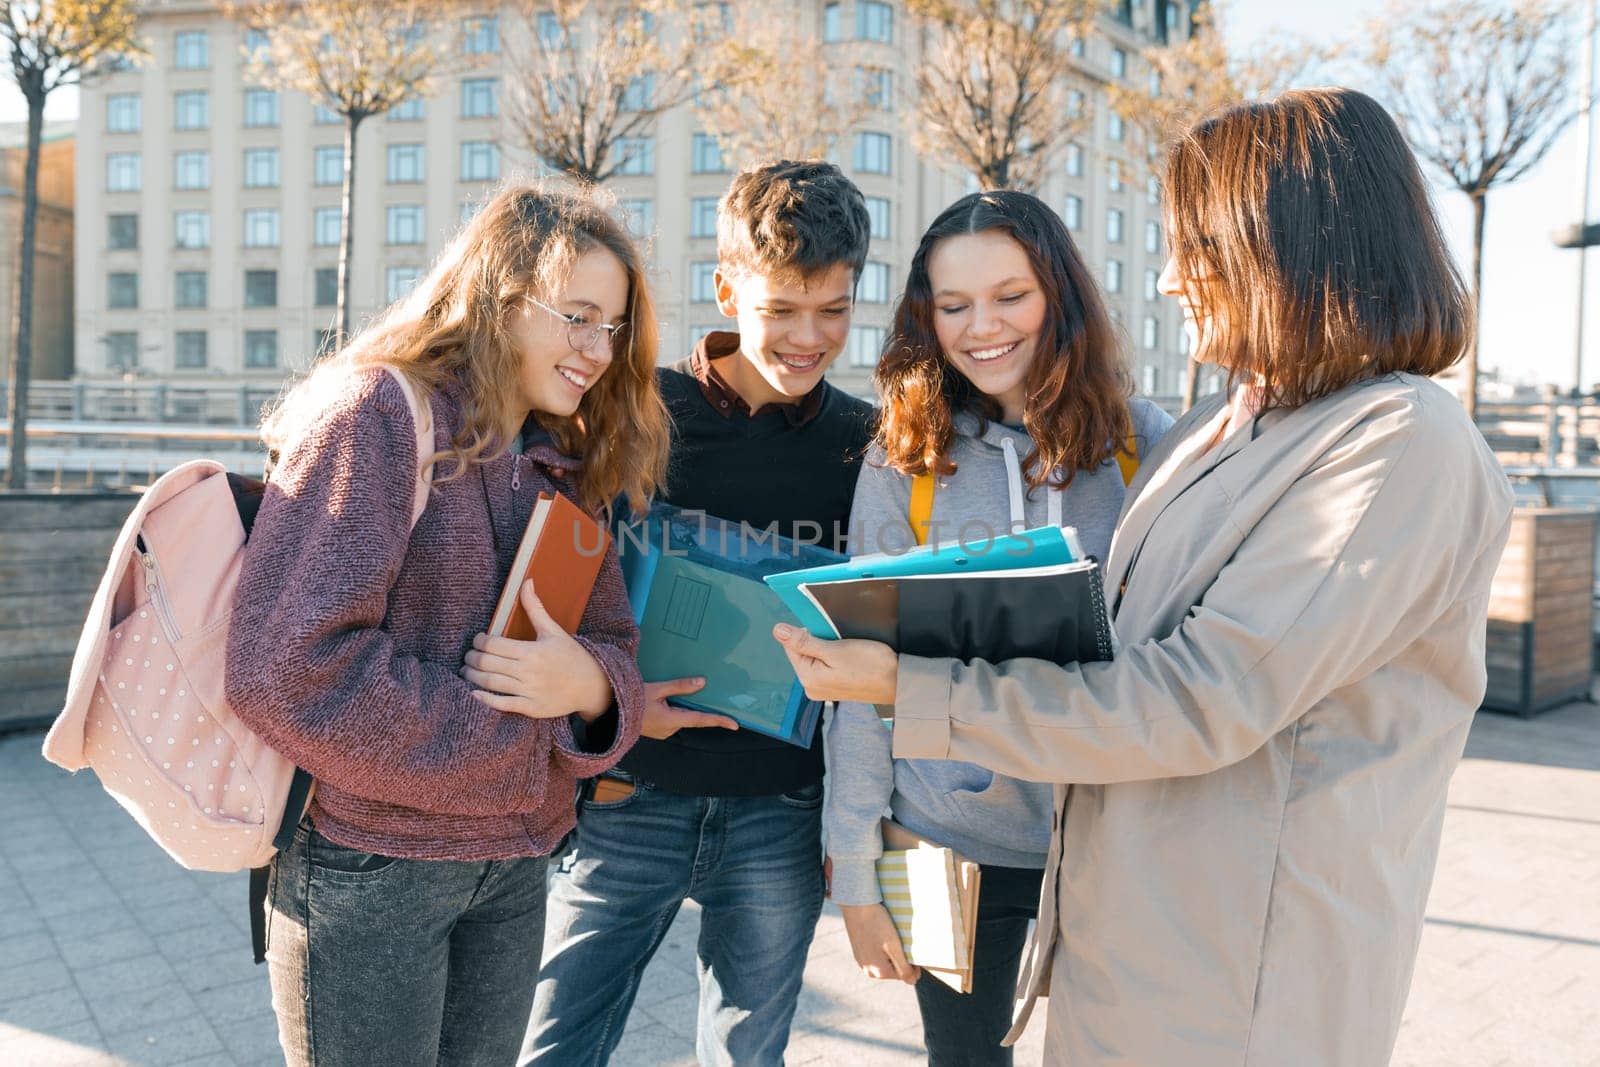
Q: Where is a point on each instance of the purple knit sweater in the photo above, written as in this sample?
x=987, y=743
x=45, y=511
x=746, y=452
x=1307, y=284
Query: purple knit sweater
x=347, y=640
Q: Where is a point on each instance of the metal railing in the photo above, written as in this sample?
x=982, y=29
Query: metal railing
x=147, y=401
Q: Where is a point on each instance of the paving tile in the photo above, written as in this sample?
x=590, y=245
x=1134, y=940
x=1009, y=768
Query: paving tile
x=28, y=979
x=75, y=1045
x=200, y=973
x=649, y=1044
x=173, y=1041
x=44, y=1012
x=107, y=946
x=148, y=1005
x=23, y=949
x=236, y=1002
x=251, y=1040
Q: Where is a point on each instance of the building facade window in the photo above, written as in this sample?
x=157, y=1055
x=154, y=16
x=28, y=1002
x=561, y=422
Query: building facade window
x=190, y=289
x=480, y=98
x=122, y=290
x=260, y=349
x=1074, y=160
x=878, y=210
x=261, y=227
x=874, y=153
x=122, y=350
x=1152, y=282
x=399, y=280
x=325, y=227
x=325, y=287
x=865, y=345
x=1152, y=190
x=702, y=283
x=1149, y=379
x=261, y=168
x=640, y=94
x=1072, y=212
x=192, y=170
x=552, y=35
x=873, y=286
x=1114, y=175
x=1152, y=236
x=832, y=24
x=189, y=349
x=260, y=288
x=404, y=164
x=122, y=172
x=327, y=165
x=1119, y=63
x=403, y=224
x=703, y=217
x=323, y=115
x=637, y=156
x=261, y=108
x=122, y=232
x=1113, y=276
x=1152, y=332
x=1114, y=128
x=192, y=229
x=639, y=216
x=407, y=110
x=480, y=161
x=191, y=110
x=480, y=36
x=1114, y=225
x=122, y=113
x=875, y=86
x=874, y=21
x=705, y=155
x=191, y=50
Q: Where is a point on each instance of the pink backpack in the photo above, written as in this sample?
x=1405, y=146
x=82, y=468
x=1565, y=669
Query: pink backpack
x=145, y=703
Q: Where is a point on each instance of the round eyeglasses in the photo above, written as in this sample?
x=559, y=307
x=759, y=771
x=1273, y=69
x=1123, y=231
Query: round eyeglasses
x=584, y=333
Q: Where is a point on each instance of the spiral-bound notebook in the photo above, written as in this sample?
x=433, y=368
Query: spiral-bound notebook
x=1055, y=613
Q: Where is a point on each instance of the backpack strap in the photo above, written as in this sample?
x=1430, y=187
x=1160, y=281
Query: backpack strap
x=1128, y=459
x=921, y=510
x=422, y=423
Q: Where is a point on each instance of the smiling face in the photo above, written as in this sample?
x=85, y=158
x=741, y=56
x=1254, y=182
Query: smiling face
x=554, y=375
x=1197, y=316
x=789, y=331
x=988, y=310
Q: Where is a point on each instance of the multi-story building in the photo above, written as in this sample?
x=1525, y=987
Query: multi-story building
x=210, y=208
x=53, y=244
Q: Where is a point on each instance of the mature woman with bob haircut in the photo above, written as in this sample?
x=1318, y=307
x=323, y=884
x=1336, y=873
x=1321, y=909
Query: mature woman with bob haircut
x=1250, y=796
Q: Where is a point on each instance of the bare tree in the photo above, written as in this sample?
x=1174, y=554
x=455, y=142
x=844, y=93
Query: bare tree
x=991, y=85
x=50, y=43
x=357, y=58
x=587, y=77
x=1482, y=90
x=1197, y=76
x=774, y=91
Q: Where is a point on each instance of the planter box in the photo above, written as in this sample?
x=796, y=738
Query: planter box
x=53, y=549
x=1541, y=612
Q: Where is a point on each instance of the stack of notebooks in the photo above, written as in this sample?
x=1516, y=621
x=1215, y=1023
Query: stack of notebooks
x=1028, y=594
x=931, y=893
x=696, y=586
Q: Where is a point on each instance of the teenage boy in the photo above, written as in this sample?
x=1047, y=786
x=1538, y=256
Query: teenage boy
x=699, y=809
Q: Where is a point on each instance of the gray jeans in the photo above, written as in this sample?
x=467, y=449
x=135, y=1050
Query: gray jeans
x=377, y=960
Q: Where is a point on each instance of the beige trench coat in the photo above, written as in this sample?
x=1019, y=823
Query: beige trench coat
x=1256, y=786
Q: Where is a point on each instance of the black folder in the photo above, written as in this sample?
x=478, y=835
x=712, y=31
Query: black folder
x=1051, y=613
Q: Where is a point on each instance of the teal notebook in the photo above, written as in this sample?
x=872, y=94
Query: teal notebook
x=1045, y=546
x=697, y=590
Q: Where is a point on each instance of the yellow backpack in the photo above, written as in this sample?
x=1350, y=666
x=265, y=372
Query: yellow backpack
x=921, y=510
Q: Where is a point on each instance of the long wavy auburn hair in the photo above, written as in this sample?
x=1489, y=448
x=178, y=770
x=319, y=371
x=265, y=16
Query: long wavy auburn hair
x=1307, y=235
x=1076, y=411
x=453, y=327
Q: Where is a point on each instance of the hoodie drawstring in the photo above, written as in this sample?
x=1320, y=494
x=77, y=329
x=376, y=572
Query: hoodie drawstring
x=1014, y=485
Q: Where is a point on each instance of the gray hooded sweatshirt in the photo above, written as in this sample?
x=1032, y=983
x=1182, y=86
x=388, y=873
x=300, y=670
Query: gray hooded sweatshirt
x=986, y=817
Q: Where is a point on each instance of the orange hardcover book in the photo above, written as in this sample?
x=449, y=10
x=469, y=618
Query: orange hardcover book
x=561, y=550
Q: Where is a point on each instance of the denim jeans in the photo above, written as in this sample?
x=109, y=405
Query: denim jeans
x=377, y=960
x=753, y=864
x=964, y=1029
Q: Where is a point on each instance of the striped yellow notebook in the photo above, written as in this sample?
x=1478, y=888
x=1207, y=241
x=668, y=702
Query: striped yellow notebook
x=932, y=895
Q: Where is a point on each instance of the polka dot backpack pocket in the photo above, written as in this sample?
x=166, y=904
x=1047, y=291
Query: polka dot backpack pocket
x=146, y=707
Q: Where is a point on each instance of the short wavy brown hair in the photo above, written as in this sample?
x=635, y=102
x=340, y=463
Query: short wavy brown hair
x=1076, y=412
x=792, y=220
x=1306, y=227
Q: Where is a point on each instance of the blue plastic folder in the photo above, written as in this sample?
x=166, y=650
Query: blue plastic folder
x=696, y=584
x=1045, y=546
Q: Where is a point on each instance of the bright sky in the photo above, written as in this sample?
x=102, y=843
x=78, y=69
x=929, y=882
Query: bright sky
x=1530, y=286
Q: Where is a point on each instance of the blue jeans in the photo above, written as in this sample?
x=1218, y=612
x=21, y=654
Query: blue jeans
x=753, y=864
x=397, y=962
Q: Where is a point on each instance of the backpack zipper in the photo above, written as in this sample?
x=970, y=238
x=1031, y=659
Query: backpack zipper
x=158, y=600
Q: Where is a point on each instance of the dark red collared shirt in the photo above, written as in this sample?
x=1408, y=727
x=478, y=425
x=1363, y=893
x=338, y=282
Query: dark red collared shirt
x=720, y=344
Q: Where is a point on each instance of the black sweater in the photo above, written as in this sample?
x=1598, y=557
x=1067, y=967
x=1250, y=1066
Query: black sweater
x=769, y=468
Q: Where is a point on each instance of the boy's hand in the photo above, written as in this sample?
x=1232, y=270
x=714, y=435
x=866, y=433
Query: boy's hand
x=662, y=720
x=546, y=678
x=876, y=943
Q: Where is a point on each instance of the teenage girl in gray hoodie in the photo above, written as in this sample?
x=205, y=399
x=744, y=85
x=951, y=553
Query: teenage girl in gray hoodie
x=1002, y=378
